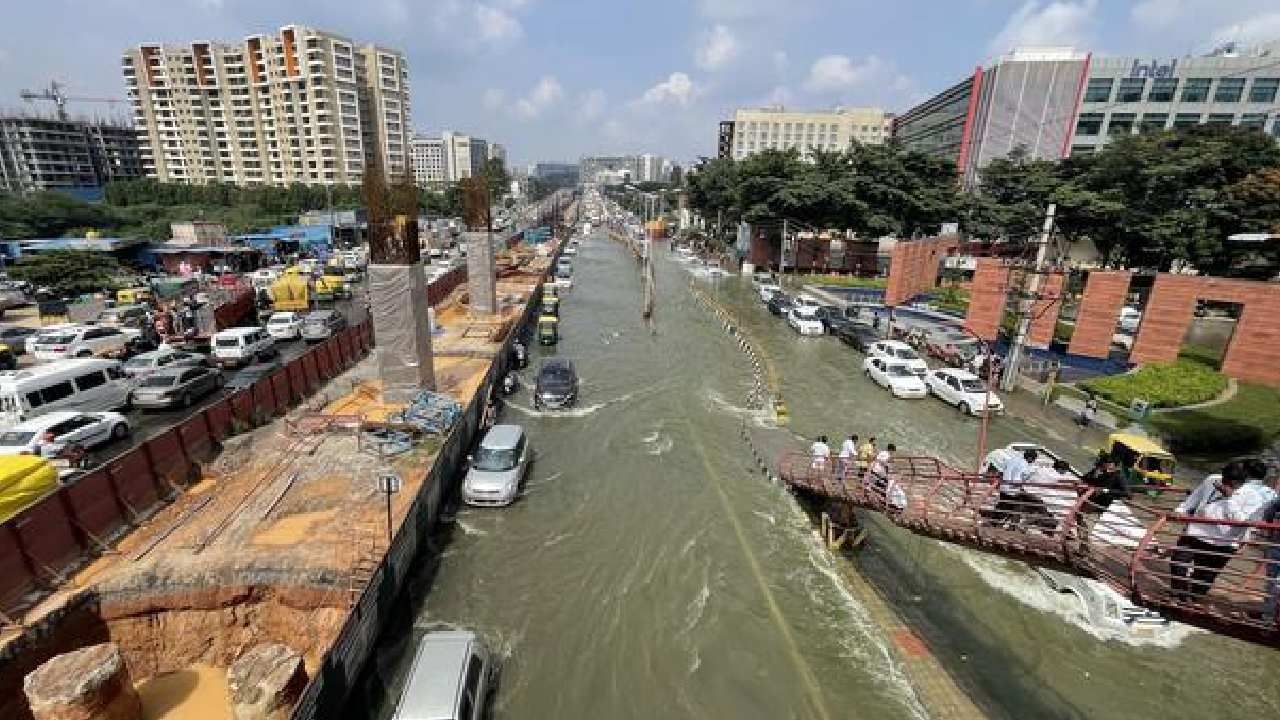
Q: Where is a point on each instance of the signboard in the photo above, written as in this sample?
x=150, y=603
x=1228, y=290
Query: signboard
x=1153, y=69
x=389, y=483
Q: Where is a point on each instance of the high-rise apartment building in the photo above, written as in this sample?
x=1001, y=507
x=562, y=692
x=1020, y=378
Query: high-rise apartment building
x=302, y=106
x=427, y=154
x=464, y=156
x=39, y=153
x=652, y=168
x=776, y=128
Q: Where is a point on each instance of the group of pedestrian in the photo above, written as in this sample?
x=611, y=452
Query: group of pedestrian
x=861, y=459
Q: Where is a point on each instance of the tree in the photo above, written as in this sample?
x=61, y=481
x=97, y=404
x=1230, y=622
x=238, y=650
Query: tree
x=67, y=272
x=497, y=179
x=712, y=189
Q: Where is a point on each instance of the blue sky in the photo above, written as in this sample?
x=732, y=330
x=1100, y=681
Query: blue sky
x=556, y=79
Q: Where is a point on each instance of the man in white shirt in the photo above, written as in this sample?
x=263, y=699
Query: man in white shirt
x=848, y=451
x=1016, y=472
x=1205, y=548
x=820, y=452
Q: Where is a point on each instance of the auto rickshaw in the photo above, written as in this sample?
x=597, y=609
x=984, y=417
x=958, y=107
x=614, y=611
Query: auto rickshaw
x=550, y=305
x=8, y=359
x=1148, y=462
x=134, y=295
x=548, y=330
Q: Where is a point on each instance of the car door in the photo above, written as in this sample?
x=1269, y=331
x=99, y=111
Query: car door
x=89, y=430
x=952, y=390
x=877, y=368
x=77, y=430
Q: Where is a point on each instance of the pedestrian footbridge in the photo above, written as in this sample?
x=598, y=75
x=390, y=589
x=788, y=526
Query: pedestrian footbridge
x=1131, y=544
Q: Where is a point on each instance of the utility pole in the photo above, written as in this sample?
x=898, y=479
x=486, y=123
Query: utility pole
x=782, y=251
x=1026, y=299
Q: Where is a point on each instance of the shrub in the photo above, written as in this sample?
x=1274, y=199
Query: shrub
x=1163, y=385
x=1244, y=423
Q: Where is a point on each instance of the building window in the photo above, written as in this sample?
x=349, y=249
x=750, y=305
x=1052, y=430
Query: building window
x=1182, y=120
x=1264, y=90
x=1121, y=124
x=1089, y=124
x=1229, y=90
x=1153, y=122
x=1220, y=119
x=1253, y=121
x=1131, y=90
x=1196, y=90
x=1099, y=90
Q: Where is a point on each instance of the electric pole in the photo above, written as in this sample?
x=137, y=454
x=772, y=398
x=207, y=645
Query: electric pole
x=1027, y=294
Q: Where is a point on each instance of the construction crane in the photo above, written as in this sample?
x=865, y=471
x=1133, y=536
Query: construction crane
x=56, y=94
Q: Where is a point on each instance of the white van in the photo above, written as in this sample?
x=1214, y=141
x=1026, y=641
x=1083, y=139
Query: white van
x=241, y=346
x=84, y=385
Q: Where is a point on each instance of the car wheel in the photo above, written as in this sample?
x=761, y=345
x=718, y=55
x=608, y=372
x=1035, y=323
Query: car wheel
x=965, y=409
x=120, y=431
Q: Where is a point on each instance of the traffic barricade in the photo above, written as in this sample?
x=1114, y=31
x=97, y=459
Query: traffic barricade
x=138, y=488
x=196, y=440
x=95, y=507
x=264, y=398
x=297, y=378
x=218, y=418
x=242, y=405
x=47, y=539
x=169, y=459
x=19, y=580
x=308, y=362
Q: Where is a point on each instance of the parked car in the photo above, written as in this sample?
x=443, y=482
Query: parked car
x=160, y=359
x=285, y=325
x=557, y=384
x=804, y=320
x=767, y=290
x=779, y=303
x=322, y=324
x=48, y=330
x=858, y=335
x=83, y=385
x=498, y=468
x=950, y=346
x=895, y=376
x=962, y=389
x=830, y=316
x=1130, y=318
x=81, y=342
x=176, y=387
x=123, y=316
x=761, y=278
x=1122, y=339
x=49, y=434
x=240, y=346
x=803, y=300
x=16, y=336
x=451, y=678
x=900, y=352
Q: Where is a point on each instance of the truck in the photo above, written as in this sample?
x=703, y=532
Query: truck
x=292, y=292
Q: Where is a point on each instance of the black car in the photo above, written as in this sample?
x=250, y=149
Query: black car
x=780, y=304
x=557, y=386
x=857, y=335
x=16, y=336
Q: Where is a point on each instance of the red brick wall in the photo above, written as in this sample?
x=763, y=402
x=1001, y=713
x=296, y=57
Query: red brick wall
x=762, y=252
x=1104, y=295
x=1251, y=354
x=987, y=299
x=913, y=268
x=1044, y=311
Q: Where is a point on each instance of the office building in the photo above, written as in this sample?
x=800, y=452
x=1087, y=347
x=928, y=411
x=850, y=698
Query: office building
x=609, y=170
x=724, y=144
x=1056, y=102
x=427, y=157
x=569, y=173
x=651, y=168
x=776, y=128
x=301, y=106
x=464, y=156
x=77, y=156
x=498, y=151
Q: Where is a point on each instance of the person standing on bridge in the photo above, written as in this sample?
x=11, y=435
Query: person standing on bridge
x=1206, y=547
x=820, y=452
x=1017, y=470
x=866, y=453
x=848, y=454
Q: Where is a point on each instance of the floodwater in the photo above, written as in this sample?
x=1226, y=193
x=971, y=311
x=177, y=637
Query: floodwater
x=649, y=572
x=197, y=693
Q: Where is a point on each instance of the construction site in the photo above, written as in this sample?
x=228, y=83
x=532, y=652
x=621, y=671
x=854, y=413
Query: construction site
x=251, y=579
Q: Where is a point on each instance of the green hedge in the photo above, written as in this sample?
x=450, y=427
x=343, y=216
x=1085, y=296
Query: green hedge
x=1163, y=385
x=1246, y=422
x=845, y=281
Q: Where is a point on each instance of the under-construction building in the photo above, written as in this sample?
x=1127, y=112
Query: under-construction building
x=45, y=153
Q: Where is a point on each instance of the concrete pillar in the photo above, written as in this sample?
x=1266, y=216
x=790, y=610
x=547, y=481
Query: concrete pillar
x=88, y=684
x=482, y=278
x=265, y=683
x=987, y=298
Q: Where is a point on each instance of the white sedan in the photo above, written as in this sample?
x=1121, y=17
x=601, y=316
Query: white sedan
x=894, y=376
x=804, y=320
x=962, y=389
x=48, y=434
x=900, y=352
x=285, y=325
x=767, y=289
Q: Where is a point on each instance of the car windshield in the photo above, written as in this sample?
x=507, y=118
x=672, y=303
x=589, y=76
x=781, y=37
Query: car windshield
x=905, y=354
x=60, y=339
x=159, y=381
x=228, y=342
x=280, y=320
x=899, y=371
x=139, y=362
x=15, y=438
x=973, y=386
x=495, y=459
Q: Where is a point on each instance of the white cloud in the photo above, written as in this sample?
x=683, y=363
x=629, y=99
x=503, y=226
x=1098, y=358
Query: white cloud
x=1062, y=22
x=719, y=47
x=834, y=73
x=677, y=88
x=1259, y=28
x=546, y=93
x=591, y=105
x=494, y=98
x=496, y=25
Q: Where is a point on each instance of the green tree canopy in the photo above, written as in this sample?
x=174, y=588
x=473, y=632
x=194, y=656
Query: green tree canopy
x=67, y=271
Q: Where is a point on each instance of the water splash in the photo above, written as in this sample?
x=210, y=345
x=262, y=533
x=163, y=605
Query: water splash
x=469, y=530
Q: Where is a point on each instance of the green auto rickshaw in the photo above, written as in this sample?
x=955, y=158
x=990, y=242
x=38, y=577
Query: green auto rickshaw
x=548, y=330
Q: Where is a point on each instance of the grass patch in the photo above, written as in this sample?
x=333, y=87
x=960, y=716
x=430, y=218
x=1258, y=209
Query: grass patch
x=1206, y=356
x=1062, y=331
x=847, y=281
x=1246, y=422
x=1163, y=385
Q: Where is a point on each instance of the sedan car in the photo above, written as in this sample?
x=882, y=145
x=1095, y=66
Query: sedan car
x=160, y=359
x=285, y=325
x=557, y=385
x=16, y=336
x=176, y=387
x=767, y=290
x=895, y=376
x=322, y=324
x=779, y=303
x=950, y=346
x=51, y=433
x=963, y=390
x=804, y=320
x=900, y=352
x=858, y=335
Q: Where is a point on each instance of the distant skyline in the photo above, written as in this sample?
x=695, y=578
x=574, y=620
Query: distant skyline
x=556, y=80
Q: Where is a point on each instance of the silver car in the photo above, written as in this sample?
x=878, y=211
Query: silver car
x=451, y=679
x=322, y=324
x=498, y=468
x=178, y=387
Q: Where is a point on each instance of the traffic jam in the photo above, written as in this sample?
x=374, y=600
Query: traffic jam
x=84, y=379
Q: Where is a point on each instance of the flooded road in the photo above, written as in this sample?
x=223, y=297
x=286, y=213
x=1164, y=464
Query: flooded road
x=649, y=572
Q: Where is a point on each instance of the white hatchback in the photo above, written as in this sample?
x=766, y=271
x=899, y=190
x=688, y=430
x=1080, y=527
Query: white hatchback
x=962, y=389
x=894, y=376
x=50, y=433
x=901, y=353
x=804, y=320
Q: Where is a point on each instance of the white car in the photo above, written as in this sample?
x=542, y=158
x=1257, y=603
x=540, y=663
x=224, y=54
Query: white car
x=899, y=352
x=804, y=320
x=761, y=278
x=807, y=301
x=1129, y=319
x=894, y=376
x=163, y=357
x=285, y=325
x=962, y=389
x=30, y=343
x=48, y=434
x=767, y=291
x=81, y=342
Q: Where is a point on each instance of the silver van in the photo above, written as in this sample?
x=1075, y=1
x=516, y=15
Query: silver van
x=498, y=468
x=451, y=678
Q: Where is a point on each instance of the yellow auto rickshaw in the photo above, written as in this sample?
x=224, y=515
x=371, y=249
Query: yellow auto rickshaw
x=134, y=296
x=551, y=305
x=548, y=330
x=8, y=359
x=1148, y=462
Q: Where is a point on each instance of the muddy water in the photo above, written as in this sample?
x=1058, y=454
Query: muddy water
x=648, y=572
x=197, y=693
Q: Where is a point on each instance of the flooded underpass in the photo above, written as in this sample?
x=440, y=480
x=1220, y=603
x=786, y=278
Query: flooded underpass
x=650, y=571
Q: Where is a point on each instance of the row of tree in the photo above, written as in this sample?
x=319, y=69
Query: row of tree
x=1147, y=201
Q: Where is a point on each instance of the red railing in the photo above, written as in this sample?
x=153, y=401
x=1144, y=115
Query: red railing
x=1138, y=544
